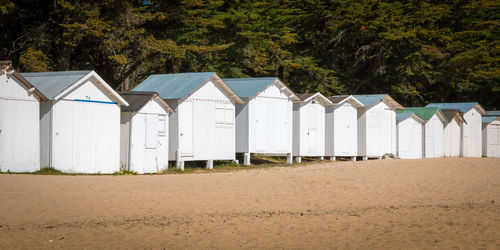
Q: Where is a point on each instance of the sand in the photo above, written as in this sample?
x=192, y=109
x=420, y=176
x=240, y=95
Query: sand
x=430, y=203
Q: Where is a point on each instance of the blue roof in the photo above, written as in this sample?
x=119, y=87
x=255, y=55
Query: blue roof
x=174, y=86
x=248, y=87
x=51, y=84
x=489, y=119
x=369, y=100
x=462, y=106
x=403, y=115
x=493, y=113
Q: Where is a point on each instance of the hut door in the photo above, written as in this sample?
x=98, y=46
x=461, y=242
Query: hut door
x=186, y=128
x=311, y=129
x=151, y=143
x=260, y=124
x=438, y=138
x=1, y=132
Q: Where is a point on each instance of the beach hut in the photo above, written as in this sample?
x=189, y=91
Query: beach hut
x=472, y=128
x=19, y=122
x=491, y=136
x=264, y=120
x=377, y=125
x=433, y=130
x=202, y=127
x=409, y=135
x=144, y=132
x=309, y=125
x=452, y=136
x=80, y=122
x=341, y=121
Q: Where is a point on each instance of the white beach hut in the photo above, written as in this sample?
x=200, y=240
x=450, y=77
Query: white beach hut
x=433, y=130
x=377, y=125
x=144, y=132
x=80, y=123
x=264, y=121
x=19, y=122
x=309, y=125
x=491, y=136
x=409, y=135
x=472, y=128
x=202, y=128
x=342, y=127
x=452, y=137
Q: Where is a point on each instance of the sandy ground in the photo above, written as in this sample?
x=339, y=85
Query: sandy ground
x=435, y=203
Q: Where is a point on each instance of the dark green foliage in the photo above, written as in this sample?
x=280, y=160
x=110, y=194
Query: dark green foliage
x=417, y=51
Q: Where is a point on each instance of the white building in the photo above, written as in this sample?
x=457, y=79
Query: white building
x=409, y=135
x=202, y=128
x=341, y=121
x=309, y=125
x=144, y=132
x=433, y=130
x=80, y=123
x=472, y=128
x=377, y=125
x=491, y=136
x=264, y=121
x=19, y=122
x=452, y=137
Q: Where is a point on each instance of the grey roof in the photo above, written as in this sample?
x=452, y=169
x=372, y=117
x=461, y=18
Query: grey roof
x=337, y=98
x=136, y=100
x=248, y=87
x=174, y=86
x=452, y=113
x=304, y=97
x=489, y=119
x=51, y=84
x=369, y=100
x=462, y=106
x=493, y=113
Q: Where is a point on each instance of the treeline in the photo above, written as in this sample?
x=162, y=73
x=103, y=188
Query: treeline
x=417, y=51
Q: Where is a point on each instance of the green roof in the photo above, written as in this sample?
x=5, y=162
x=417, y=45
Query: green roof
x=51, y=84
x=424, y=112
x=248, y=87
x=174, y=86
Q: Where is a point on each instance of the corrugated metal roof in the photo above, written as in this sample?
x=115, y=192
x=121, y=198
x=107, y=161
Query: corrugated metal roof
x=462, y=106
x=51, y=84
x=136, y=100
x=493, y=113
x=248, y=87
x=425, y=112
x=174, y=86
x=401, y=115
x=452, y=113
x=369, y=100
x=489, y=119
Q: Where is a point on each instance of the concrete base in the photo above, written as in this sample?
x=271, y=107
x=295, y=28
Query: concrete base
x=246, y=159
x=322, y=158
x=380, y=158
x=210, y=164
x=333, y=158
x=289, y=158
x=353, y=158
x=298, y=159
x=365, y=158
x=179, y=164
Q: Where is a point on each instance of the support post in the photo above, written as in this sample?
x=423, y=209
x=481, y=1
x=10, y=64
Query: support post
x=365, y=158
x=322, y=158
x=246, y=159
x=298, y=159
x=354, y=158
x=380, y=158
x=179, y=164
x=210, y=164
x=332, y=158
x=289, y=158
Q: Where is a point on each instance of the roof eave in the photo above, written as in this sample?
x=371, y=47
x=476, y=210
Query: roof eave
x=29, y=85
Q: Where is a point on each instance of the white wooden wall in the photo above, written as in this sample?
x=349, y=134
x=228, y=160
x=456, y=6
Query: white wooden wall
x=472, y=134
x=270, y=122
x=341, y=130
x=84, y=136
x=377, y=131
x=308, y=129
x=19, y=127
x=409, y=139
x=144, y=143
x=491, y=139
x=203, y=126
x=433, y=136
x=452, y=139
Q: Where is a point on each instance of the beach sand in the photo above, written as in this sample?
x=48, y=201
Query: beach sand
x=429, y=203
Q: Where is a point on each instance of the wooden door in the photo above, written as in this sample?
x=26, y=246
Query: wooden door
x=311, y=129
x=186, y=128
x=150, y=143
x=260, y=114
